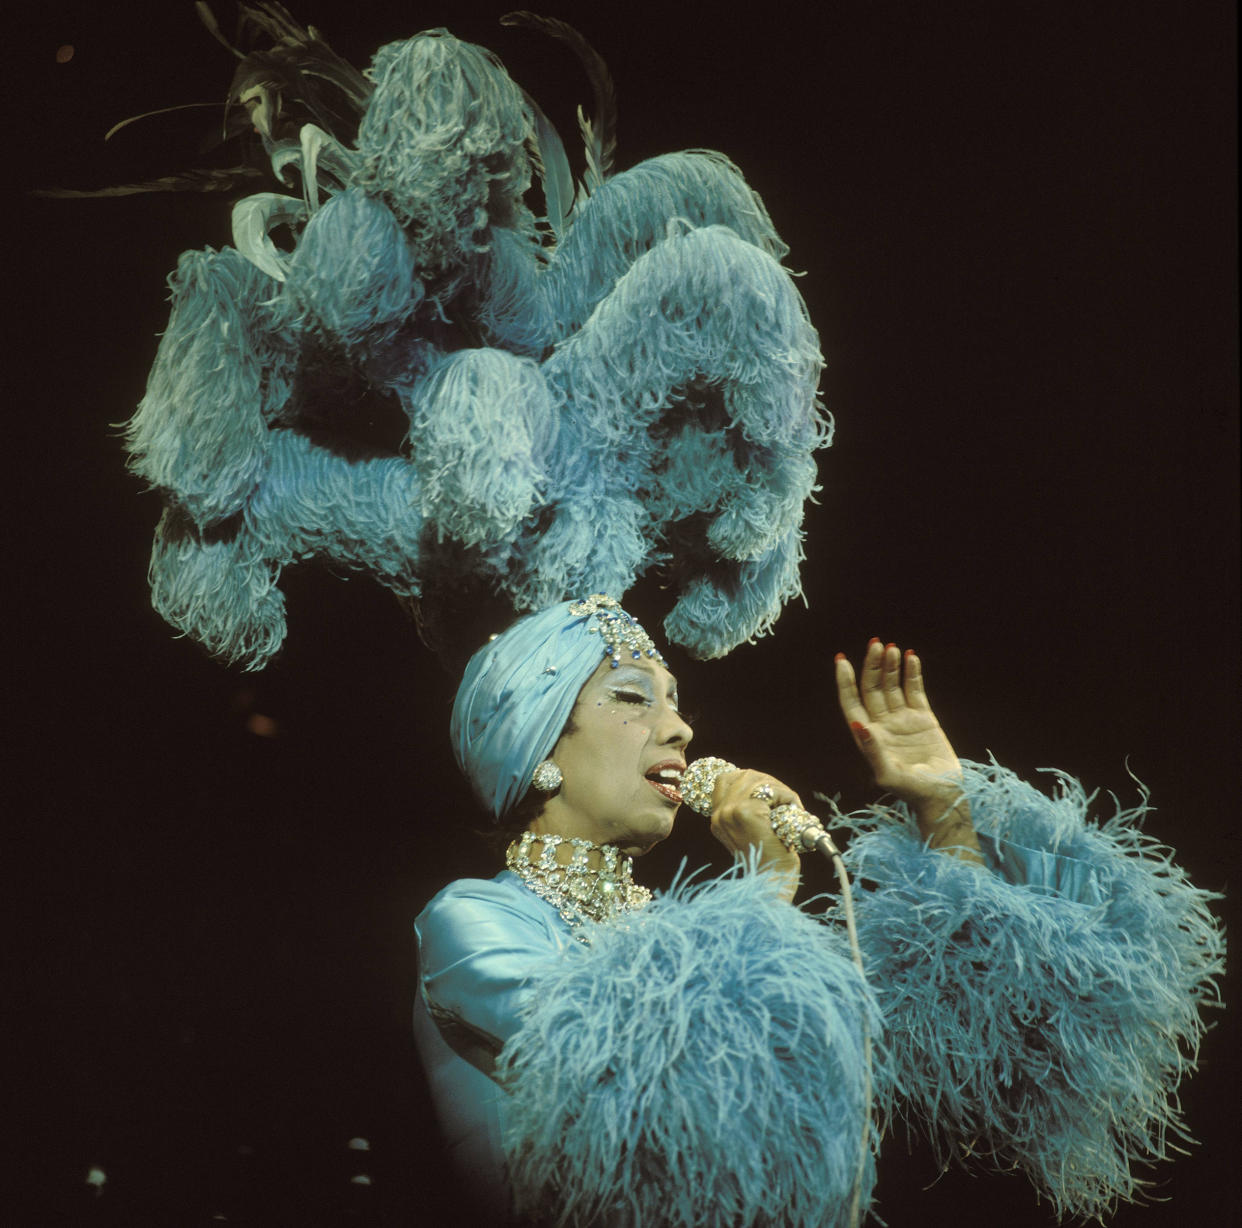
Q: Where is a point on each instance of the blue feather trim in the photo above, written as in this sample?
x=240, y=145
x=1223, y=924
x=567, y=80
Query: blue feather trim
x=359, y=515
x=631, y=213
x=200, y=433
x=352, y=273
x=482, y=425
x=1043, y=1024
x=220, y=591
x=443, y=142
x=697, y=1064
x=738, y=601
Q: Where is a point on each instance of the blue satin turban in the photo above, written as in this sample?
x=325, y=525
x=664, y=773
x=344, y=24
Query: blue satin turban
x=519, y=689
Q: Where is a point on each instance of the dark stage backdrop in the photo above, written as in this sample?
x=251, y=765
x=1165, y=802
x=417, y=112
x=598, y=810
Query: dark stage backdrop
x=1017, y=225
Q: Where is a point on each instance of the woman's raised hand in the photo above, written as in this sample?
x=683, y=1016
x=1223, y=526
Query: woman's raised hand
x=898, y=733
x=893, y=724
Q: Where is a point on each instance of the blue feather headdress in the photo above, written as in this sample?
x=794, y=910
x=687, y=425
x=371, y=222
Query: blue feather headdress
x=582, y=396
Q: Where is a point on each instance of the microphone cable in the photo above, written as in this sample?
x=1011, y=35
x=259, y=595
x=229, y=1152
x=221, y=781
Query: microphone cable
x=798, y=827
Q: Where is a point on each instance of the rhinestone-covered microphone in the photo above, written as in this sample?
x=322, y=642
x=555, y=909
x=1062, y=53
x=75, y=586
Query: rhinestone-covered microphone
x=797, y=828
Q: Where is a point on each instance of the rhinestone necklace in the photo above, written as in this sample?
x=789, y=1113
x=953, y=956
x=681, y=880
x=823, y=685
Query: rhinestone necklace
x=579, y=891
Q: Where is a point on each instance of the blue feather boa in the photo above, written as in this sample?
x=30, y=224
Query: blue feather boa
x=699, y=1063
x=1043, y=1024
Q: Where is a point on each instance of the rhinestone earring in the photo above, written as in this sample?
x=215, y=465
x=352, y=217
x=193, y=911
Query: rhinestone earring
x=547, y=777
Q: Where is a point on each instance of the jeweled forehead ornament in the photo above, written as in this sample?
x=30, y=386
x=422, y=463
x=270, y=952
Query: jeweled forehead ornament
x=620, y=632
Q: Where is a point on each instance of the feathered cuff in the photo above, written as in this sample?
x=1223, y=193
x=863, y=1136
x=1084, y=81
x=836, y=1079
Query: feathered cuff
x=1042, y=1015
x=700, y=1063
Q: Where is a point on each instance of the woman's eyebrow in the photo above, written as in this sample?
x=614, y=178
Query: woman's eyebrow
x=630, y=674
x=648, y=673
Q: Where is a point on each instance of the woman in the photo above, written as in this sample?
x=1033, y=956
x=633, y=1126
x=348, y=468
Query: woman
x=631, y=1075
x=1037, y=1010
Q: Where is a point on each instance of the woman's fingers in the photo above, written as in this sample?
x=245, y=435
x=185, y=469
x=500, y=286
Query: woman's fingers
x=890, y=658
x=916, y=696
x=847, y=691
x=758, y=789
x=882, y=689
x=742, y=818
x=872, y=684
x=890, y=683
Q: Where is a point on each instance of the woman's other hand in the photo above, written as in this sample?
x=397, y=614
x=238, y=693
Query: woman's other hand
x=742, y=805
x=898, y=733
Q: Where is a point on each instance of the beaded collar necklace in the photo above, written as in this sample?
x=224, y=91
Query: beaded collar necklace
x=579, y=891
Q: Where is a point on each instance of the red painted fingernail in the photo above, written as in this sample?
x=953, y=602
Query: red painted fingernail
x=839, y=657
x=875, y=639
x=887, y=646
x=860, y=731
x=909, y=652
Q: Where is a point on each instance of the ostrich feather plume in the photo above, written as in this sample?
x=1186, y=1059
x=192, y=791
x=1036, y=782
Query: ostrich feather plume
x=697, y=1065
x=1042, y=1016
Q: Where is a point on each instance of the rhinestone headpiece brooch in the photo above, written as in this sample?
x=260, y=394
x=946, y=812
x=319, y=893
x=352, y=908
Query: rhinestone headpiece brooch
x=618, y=630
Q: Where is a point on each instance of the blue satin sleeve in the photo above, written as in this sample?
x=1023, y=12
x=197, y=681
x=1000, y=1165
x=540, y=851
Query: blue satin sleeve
x=480, y=942
x=1071, y=878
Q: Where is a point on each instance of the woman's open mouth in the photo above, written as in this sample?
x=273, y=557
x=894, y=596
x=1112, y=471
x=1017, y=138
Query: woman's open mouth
x=668, y=791
x=665, y=781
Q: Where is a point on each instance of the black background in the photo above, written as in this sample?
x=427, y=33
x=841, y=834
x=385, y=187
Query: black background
x=1017, y=224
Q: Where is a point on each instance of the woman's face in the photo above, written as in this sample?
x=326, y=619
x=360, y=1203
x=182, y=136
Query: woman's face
x=626, y=731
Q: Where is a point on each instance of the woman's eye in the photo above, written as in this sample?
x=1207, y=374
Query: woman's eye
x=631, y=697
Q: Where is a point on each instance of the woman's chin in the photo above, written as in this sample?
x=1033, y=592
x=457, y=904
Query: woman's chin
x=635, y=844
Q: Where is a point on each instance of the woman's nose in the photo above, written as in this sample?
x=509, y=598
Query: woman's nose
x=675, y=731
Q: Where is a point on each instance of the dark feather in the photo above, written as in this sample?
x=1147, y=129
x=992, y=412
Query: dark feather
x=208, y=18
x=187, y=181
x=311, y=52
x=299, y=80
x=133, y=119
x=551, y=164
x=300, y=77
x=599, y=131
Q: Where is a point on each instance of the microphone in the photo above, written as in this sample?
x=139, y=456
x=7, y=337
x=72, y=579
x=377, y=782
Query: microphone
x=797, y=828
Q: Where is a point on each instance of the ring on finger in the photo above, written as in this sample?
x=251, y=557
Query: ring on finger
x=763, y=793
